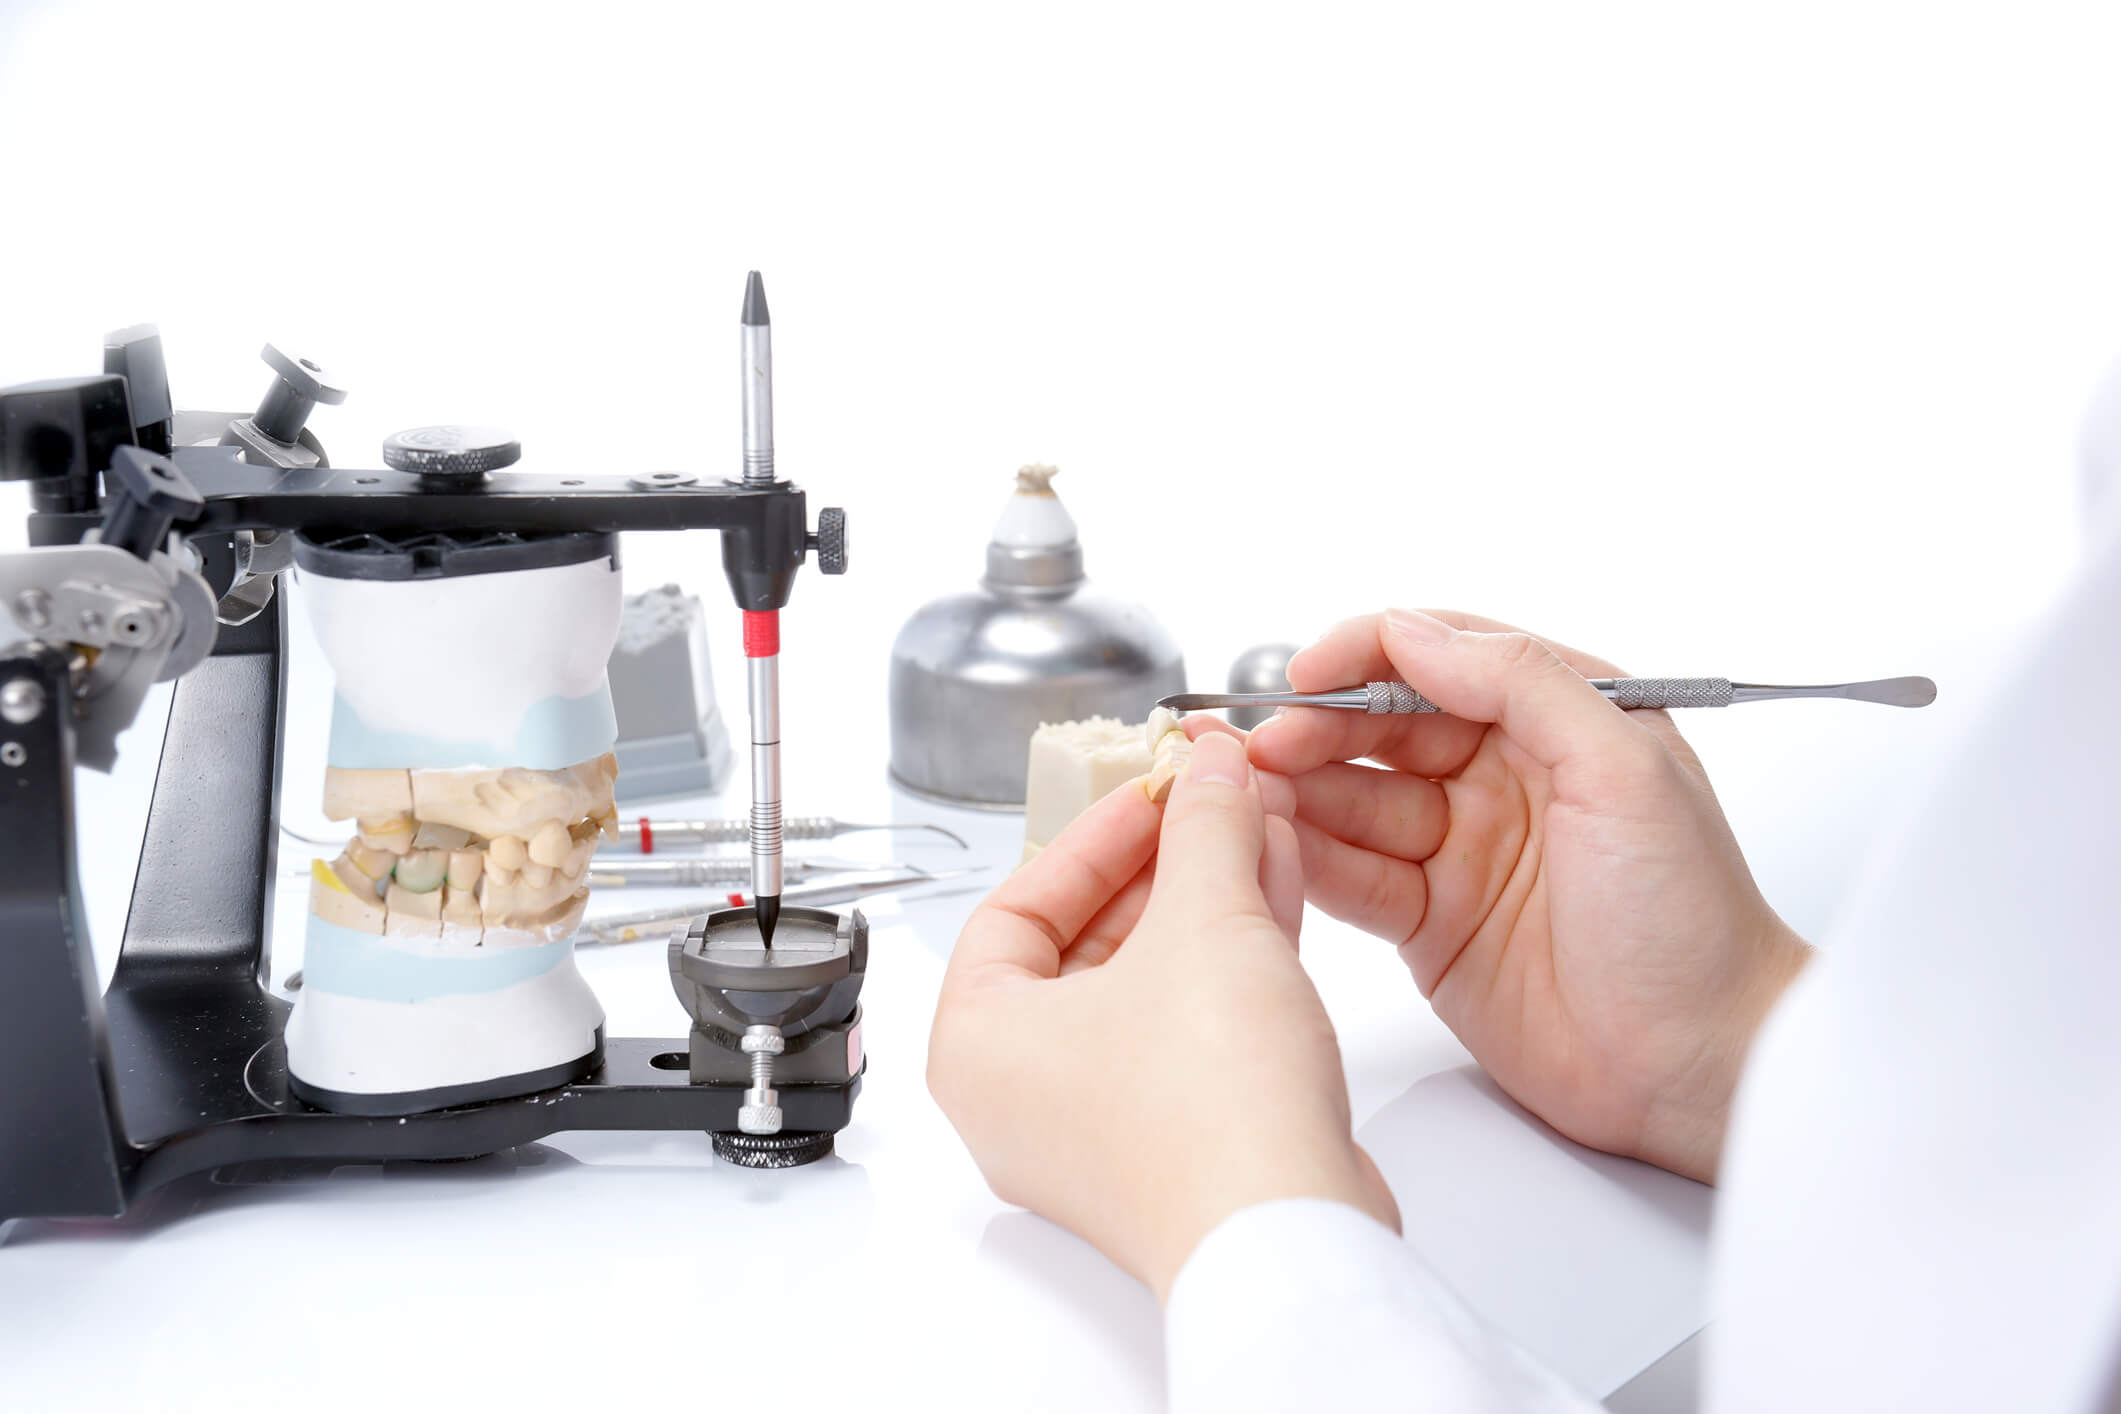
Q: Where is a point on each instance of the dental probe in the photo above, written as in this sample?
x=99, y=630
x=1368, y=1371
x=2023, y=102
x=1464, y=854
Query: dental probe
x=695, y=872
x=655, y=922
x=646, y=836
x=762, y=631
x=1396, y=698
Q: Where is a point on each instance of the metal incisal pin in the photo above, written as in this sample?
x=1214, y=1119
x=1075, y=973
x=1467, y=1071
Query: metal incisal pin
x=758, y=385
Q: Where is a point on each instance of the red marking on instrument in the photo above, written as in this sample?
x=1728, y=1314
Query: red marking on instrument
x=647, y=836
x=736, y=900
x=762, y=634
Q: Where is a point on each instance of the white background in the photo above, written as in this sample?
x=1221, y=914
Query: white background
x=1730, y=341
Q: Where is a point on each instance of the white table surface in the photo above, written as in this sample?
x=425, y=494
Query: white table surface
x=631, y=1267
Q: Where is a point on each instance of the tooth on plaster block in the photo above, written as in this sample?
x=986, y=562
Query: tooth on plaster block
x=462, y=918
x=549, y=846
x=375, y=863
x=494, y=873
x=1072, y=764
x=352, y=877
x=537, y=876
x=351, y=794
x=1172, y=759
x=392, y=833
x=1170, y=752
x=443, y=837
x=464, y=867
x=578, y=858
x=506, y=852
x=422, y=871
x=333, y=902
x=412, y=915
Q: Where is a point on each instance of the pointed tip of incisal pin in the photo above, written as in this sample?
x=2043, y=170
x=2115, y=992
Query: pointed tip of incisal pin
x=769, y=914
x=755, y=300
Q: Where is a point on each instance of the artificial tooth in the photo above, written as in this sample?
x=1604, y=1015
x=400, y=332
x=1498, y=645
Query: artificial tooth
x=507, y=851
x=375, y=863
x=351, y=876
x=392, y=833
x=464, y=867
x=411, y=914
x=550, y=845
x=578, y=858
x=431, y=835
x=496, y=874
x=537, y=876
x=422, y=871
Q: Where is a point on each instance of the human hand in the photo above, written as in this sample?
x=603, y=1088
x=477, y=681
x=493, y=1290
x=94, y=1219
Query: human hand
x=1555, y=872
x=1125, y=1038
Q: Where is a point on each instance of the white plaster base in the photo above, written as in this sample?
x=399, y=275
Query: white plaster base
x=364, y=1047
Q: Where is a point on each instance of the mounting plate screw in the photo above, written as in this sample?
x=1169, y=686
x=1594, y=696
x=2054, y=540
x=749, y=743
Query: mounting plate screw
x=34, y=608
x=12, y=754
x=761, y=1110
x=830, y=541
x=21, y=701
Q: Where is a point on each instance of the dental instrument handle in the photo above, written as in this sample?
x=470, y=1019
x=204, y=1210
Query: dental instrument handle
x=645, y=836
x=1398, y=699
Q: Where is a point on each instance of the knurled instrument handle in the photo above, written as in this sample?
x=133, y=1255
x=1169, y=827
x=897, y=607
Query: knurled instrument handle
x=1633, y=694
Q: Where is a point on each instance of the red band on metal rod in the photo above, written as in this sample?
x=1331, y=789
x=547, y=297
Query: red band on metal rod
x=647, y=837
x=762, y=634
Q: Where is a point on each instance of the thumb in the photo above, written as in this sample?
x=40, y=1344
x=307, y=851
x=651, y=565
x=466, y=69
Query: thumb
x=1215, y=830
x=1513, y=680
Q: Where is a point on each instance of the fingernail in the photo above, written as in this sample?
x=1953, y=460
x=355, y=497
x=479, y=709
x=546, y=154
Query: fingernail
x=1219, y=758
x=1416, y=627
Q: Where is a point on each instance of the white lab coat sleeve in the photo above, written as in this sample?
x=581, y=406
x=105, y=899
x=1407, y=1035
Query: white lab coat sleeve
x=1303, y=1303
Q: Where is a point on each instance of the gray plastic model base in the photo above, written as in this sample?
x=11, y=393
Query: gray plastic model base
x=672, y=740
x=660, y=768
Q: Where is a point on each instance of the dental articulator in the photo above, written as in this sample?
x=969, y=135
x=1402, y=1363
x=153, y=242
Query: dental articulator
x=442, y=1015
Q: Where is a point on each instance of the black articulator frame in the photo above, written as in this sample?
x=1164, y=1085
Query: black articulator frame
x=179, y=1068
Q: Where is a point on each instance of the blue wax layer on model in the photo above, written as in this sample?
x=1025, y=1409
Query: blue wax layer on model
x=349, y=964
x=555, y=732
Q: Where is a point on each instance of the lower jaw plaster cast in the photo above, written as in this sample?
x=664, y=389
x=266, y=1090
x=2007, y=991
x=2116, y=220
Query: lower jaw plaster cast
x=471, y=749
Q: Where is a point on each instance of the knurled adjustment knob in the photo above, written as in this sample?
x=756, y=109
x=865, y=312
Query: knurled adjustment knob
x=831, y=540
x=451, y=451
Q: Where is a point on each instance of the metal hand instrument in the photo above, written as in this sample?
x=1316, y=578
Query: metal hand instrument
x=657, y=922
x=695, y=872
x=646, y=836
x=1397, y=698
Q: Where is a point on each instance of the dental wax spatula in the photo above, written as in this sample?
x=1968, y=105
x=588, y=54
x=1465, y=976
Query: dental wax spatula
x=1396, y=698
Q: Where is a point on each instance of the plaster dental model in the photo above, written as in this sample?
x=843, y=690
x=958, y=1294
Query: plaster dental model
x=1072, y=764
x=471, y=748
